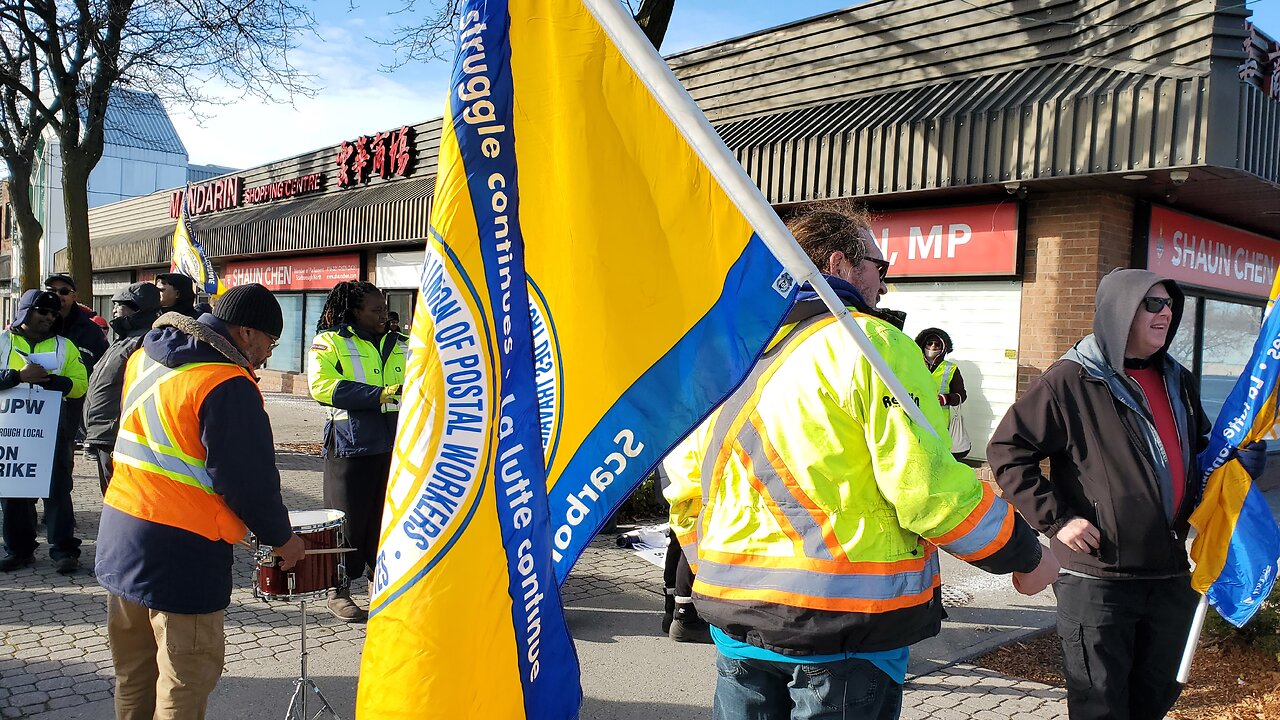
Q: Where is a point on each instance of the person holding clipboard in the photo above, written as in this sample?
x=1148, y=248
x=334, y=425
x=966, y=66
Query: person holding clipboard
x=31, y=351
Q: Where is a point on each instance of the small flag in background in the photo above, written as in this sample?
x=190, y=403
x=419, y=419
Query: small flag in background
x=1237, y=546
x=188, y=256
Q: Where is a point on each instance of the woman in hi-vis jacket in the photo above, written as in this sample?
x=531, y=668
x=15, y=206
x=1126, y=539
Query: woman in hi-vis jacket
x=355, y=367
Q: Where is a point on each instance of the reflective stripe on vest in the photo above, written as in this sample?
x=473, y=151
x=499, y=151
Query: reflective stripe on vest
x=357, y=362
x=944, y=385
x=733, y=421
x=6, y=348
x=846, y=587
x=983, y=532
x=157, y=477
x=818, y=574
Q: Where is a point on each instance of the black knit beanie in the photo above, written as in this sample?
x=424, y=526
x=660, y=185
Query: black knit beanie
x=251, y=306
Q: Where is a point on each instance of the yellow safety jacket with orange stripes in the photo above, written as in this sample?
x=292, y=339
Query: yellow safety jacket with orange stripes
x=160, y=461
x=812, y=506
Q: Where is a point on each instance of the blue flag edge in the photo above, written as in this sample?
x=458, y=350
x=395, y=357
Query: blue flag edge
x=708, y=364
x=548, y=659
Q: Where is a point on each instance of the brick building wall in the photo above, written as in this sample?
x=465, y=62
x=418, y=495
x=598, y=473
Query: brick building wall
x=1073, y=239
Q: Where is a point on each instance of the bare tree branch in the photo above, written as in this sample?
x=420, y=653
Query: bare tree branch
x=61, y=62
x=432, y=36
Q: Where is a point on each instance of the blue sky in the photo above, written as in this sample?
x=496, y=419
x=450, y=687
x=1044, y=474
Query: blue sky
x=355, y=98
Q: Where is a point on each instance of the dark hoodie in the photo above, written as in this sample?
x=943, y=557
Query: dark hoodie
x=78, y=327
x=1107, y=463
x=169, y=569
x=102, y=401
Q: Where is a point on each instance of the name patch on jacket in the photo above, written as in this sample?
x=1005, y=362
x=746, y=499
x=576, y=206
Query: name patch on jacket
x=889, y=400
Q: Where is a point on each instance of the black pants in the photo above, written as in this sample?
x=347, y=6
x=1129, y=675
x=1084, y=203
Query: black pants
x=358, y=486
x=101, y=456
x=1122, y=641
x=19, y=525
x=677, y=576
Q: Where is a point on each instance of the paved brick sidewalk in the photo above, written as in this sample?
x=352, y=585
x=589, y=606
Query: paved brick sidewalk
x=965, y=692
x=54, y=655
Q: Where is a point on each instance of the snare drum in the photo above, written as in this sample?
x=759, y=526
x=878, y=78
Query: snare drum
x=316, y=574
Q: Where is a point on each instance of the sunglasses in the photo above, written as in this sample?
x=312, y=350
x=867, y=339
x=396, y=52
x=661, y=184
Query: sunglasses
x=1154, y=305
x=43, y=311
x=881, y=265
x=61, y=290
x=275, y=341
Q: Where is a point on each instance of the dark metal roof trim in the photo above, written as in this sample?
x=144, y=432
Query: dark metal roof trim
x=1050, y=121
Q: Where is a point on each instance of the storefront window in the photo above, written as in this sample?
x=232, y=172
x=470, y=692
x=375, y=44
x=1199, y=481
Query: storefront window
x=315, y=306
x=1229, y=332
x=401, y=302
x=288, y=354
x=1183, y=347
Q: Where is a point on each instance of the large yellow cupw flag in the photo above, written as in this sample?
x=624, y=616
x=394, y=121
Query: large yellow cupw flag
x=590, y=294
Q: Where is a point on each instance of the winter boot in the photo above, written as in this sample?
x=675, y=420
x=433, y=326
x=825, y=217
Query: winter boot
x=344, y=608
x=668, y=610
x=686, y=626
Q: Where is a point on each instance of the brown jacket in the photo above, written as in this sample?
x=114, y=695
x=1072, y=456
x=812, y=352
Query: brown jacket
x=1093, y=425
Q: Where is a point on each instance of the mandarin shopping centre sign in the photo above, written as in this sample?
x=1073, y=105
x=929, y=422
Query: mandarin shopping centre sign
x=386, y=155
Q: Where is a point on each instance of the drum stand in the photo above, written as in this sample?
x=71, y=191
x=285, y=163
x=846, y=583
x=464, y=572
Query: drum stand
x=304, y=684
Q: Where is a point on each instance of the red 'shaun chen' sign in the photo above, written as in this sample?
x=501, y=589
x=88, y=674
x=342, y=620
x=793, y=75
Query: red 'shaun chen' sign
x=1205, y=253
x=314, y=273
x=967, y=241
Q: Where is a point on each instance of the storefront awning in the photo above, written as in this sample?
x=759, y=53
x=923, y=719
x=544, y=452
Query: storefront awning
x=388, y=213
x=1057, y=120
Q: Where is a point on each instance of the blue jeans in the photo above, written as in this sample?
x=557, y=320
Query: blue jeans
x=764, y=690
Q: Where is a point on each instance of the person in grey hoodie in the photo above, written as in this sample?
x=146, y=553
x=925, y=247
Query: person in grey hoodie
x=1120, y=422
x=135, y=309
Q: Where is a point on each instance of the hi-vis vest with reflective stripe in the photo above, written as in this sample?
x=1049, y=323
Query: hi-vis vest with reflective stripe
x=6, y=350
x=160, y=461
x=943, y=374
x=69, y=363
x=810, y=488
x=339, y=354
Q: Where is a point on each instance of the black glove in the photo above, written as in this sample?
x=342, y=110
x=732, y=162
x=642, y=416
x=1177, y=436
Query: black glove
x=1253, y=457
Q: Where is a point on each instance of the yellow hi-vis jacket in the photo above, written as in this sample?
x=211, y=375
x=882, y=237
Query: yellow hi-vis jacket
x=811, y=505
x=347, y=373
x=15, y=348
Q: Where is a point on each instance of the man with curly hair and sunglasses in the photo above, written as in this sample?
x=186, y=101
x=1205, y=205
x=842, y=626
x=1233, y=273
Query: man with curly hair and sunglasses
x=1120, y=422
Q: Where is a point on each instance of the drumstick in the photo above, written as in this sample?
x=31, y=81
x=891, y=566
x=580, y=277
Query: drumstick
x=309, y=551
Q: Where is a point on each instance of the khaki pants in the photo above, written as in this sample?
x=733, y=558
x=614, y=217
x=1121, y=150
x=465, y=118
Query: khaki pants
x=166, y=663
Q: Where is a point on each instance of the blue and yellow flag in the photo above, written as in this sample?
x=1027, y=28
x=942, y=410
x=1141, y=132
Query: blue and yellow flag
x=188, y=256
x=1237, y=545
x=589, y=295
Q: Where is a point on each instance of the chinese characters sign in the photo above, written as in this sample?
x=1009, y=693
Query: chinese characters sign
x=385, y=155
x=1261, y=66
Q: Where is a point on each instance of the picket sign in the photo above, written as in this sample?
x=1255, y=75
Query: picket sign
x=28, y=436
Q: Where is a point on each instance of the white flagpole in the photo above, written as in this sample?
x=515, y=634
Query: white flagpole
x=689, y=120
x=1193, y=639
